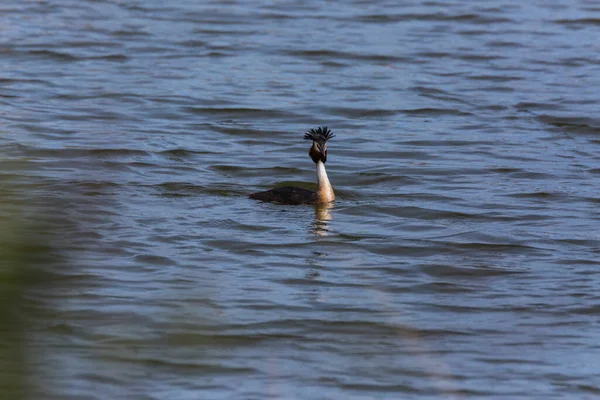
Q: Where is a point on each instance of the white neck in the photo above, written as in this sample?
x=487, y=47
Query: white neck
x=324, y=189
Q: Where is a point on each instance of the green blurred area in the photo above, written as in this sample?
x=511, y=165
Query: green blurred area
x=25, y=255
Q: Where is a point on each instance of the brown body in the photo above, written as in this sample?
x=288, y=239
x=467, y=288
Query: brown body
x=287, y=195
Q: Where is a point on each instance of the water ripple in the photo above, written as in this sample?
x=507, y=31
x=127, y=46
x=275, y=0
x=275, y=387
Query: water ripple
x=465, y=168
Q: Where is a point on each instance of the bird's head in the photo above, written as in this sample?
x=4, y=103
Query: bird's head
x=318, y=150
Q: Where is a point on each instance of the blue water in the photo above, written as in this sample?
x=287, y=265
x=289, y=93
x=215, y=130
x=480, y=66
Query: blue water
x=459, y=261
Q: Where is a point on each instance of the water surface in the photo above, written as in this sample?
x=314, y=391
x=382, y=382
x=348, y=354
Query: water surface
x=459, y=260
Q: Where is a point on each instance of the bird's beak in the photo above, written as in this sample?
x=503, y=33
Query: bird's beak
x=323, y=150
x=315, y=152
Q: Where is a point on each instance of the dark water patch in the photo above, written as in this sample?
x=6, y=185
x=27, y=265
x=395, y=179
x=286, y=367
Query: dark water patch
x=472, y=32
x=387, y=179
x=108, y=57
x=67, y=57
x=277, y=16
x=427, y=214
x=186, y=189
x=429, y=90
x=183, y=152
x=314, y=282
x=154, y=50
x=581, y=61
x=381, y=18
x=498, y=89
x=437, y=94
x=578, y=125
x=505, y=170
x=488, y=247
x=504, y=43
x=192, y=43
x=325, y=55
x=154, y=260
x=255, y=171
x=93, y=188
x=116, y=152
x=224, y=32
x=78, y=97
x=513, y=361
x=541, y=195
x=510, y=155
x=53, y=55
x=216, y=54
x=360, y=112
x=593, y=200
x=579, y=261
x=24, y=81
x=101, y=379
x=479, y=57
x=30, y=151
x=213, y=17
x=185, y=367
x=183, y=155
x=432, y=54
x=150, y=10
x=495, y=78
x=423, y=249
x=462, y=18
x=127, y=33
x=593, y=309
x=378, y=387
x=527, y=106
x=560, y=63
x=238, y=112
x=132, y=166
x=578, y=21
x=592, y=242
x=180, y=189
x=180, y=100
x=429, y=197
x=443, y=142
x=434, y=112
x=218, y=338
x=247, y=131
x=586, y=388
x=532, y=175
x=249, y=247
x=87, y=44
x=87, y=115
x=440, y=287
x=358, y=328
x=334, y=64
x=173, y=239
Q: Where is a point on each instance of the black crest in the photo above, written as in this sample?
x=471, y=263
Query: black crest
x=319, y=134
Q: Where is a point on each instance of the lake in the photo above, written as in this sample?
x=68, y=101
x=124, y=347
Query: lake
x=459, y=261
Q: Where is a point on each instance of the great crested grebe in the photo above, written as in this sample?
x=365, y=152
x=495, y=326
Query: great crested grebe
x=296, y=195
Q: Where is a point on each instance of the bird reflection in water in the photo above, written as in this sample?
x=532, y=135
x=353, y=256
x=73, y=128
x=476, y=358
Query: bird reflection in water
x=322, y=217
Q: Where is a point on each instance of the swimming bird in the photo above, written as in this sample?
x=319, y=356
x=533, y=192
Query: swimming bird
x=295, y=195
